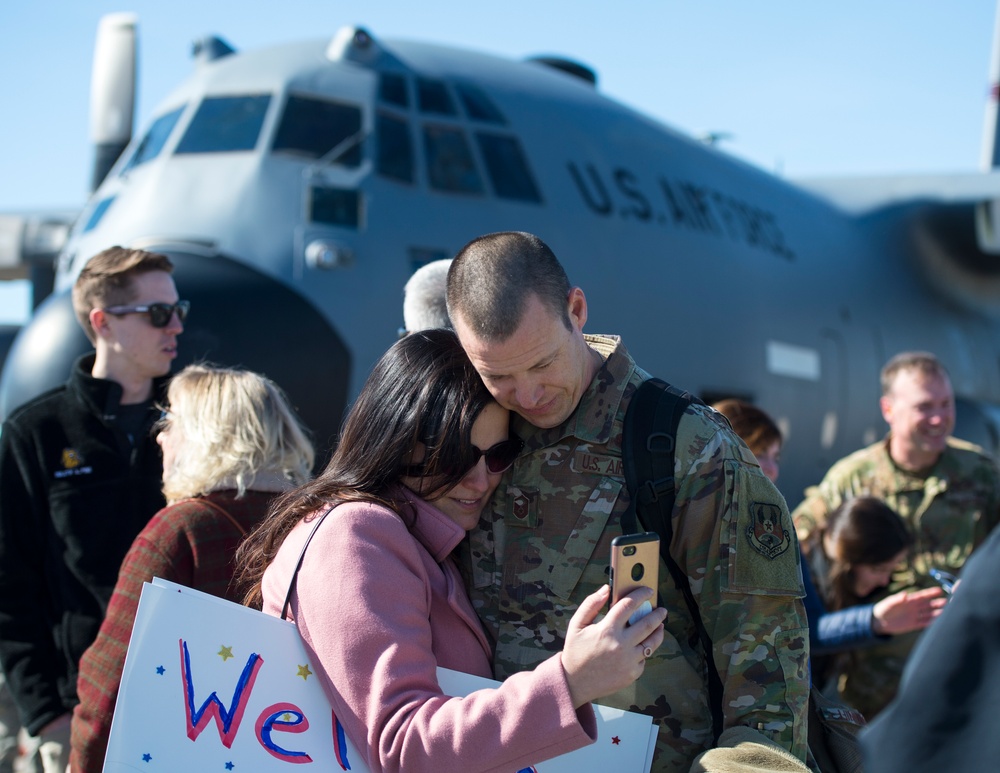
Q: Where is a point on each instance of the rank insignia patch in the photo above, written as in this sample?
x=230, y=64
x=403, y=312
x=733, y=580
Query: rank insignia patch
x=767, y=534
x=522, y=507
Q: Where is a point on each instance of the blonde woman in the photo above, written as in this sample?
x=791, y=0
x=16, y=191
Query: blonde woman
x=230, y=444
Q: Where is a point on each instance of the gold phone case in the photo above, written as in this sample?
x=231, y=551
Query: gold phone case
x=635, y=563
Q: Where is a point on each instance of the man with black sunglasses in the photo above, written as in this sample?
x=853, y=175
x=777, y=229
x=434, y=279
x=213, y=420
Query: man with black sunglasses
x=544, y=544
x=80, y=475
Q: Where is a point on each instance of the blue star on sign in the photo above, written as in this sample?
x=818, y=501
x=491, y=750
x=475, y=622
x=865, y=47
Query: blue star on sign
x=160, y=670
x=147, y=757
x=230, y=766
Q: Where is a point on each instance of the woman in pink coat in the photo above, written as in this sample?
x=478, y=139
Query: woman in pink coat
x=376, y=594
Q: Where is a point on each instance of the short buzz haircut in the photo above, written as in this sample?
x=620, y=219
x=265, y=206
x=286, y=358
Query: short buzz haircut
x=106, y=281
x=492, y=276
x=921, y=362
x=425, y=303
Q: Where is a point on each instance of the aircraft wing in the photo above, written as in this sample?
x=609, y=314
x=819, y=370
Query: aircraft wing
x=861, y=195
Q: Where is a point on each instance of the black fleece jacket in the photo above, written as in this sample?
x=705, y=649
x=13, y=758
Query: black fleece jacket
x=74, y=493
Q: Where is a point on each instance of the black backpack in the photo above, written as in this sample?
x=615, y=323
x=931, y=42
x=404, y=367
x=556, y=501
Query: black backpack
x=649, y=438
x=648, y=458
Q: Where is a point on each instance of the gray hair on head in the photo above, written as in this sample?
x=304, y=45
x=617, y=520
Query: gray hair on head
x=425, y=301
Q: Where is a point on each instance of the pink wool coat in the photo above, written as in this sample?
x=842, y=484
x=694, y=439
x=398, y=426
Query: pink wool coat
x=380, y=606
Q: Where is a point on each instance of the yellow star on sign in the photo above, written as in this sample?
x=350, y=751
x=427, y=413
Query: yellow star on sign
x=304, y=672
x=225, y=653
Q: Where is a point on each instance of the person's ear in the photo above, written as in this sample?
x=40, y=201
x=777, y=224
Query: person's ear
x=885, y=403
x=576, y=307
x=99, y=322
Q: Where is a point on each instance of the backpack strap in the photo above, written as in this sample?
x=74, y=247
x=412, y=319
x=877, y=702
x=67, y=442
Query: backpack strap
x=649, y=435
x=649, y=439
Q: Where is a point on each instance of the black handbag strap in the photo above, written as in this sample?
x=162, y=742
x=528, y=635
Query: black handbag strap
x=298, y=565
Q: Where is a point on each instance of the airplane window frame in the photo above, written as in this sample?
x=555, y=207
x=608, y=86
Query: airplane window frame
x=344, y=203
x=100, y=210
x=449, y=184
x=154, y=140
x=478, y=105
x=293, y=120
x=434, y=97
x=214, y=113
x=382, y=162
x=510, y=175
x=397, y=94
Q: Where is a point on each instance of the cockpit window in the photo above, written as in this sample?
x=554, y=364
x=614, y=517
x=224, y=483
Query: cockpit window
x=392, y=89
x=478, y=106
x=433, y=97
x=334, y=206
x=151, y=145
x=394, y=149
x=507, y=167
x=450, y=166
x=457, y=152
x=100, y=210
x=225, y=124
x=314, y=127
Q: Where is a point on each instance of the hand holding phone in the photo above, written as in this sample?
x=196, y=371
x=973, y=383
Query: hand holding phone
x=635, y=563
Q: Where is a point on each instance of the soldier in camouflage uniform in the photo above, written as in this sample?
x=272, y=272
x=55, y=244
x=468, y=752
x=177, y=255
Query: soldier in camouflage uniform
x=545, y=543
x=948, y=491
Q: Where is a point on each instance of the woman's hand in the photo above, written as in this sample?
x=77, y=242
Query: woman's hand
x=602, y=658
x=907, y=611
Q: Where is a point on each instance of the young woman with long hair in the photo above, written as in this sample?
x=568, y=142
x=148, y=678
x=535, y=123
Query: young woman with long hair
x=366, y=549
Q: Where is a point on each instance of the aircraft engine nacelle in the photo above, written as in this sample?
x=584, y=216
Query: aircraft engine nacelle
x=959, y=252
x=239, y=317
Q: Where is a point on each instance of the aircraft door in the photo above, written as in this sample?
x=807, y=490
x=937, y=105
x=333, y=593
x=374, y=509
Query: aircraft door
x=807, y=391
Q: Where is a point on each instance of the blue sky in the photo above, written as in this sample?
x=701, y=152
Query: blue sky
x=803, y=88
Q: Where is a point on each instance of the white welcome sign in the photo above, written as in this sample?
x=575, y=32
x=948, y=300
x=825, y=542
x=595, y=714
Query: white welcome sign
x=209, y=685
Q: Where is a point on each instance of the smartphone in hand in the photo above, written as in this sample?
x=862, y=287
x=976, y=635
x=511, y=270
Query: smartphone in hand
x=945, y=579
x=635, y=563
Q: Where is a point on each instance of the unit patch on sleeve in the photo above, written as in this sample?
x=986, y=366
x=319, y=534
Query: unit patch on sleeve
x=767, y=532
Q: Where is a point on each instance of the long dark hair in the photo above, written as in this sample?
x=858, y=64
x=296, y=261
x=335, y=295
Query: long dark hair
x=422, y=390
x=863, y=530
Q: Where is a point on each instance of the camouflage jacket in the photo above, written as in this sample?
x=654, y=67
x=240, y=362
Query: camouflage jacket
x=545, y=545
x=951, y=511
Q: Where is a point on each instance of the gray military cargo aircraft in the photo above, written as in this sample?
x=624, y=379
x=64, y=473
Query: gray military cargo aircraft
x=298, y=187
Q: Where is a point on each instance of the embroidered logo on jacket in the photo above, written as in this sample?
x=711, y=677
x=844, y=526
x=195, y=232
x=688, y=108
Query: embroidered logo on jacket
x=71, y=461
x=766, y=532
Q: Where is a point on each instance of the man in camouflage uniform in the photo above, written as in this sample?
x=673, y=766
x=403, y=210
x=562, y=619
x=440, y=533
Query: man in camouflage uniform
x=545, y=542
x=947, y=490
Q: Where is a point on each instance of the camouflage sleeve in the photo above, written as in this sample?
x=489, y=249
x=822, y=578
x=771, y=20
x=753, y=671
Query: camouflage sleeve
x=735, y=539
x=812, y=512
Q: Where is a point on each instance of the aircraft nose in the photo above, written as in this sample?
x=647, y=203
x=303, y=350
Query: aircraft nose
x=229, y=328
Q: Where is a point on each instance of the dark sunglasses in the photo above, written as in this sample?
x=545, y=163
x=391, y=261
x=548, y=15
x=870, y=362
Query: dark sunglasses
x=160, y=314
x=499, y=458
